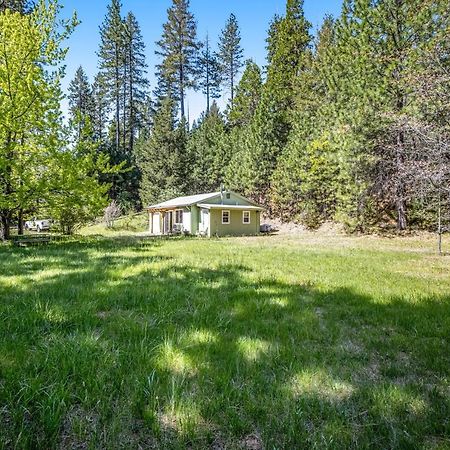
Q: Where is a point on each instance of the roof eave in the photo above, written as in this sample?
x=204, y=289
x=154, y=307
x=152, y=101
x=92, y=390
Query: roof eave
x=223, y=206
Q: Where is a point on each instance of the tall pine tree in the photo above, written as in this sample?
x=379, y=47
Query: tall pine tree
x=111, y=62
x=178, y=48
x=80, y=101
x=209, y=73
x=100, y=111
x=230, y=54
x=288, y=54
x=135, y=85
x=209, y=151
x=160, y=157
x=248, y=95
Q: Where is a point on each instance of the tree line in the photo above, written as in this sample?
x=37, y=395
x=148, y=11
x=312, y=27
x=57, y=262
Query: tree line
x=350, y=124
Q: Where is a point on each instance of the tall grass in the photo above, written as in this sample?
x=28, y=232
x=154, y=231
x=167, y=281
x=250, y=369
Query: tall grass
x=274, y=342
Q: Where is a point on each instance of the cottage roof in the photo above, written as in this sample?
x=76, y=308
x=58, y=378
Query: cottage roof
x=184, y=201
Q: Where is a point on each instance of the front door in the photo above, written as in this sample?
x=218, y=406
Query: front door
x=203, y=225
x=168, y=222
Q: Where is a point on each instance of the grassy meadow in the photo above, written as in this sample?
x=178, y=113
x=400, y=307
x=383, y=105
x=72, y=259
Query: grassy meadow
x=275, y=342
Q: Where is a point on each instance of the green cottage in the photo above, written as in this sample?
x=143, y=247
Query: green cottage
x=222, y=213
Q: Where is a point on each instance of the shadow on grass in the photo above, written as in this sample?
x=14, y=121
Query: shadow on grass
x=109, y=344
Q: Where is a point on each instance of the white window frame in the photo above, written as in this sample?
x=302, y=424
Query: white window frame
x=229, y=216
x=243, y=217
x=181, y=215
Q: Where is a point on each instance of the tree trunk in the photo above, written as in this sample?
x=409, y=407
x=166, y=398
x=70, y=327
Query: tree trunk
x=117, y=100
x=232, y=80
x=207, y=81
x=400, y=190
x=439, y=227
x=5, y=215
x=5, y=223
x=131, y=104
x=182, y=92
x=20, y=222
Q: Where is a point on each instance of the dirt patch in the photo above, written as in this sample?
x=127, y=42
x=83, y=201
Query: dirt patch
x=351, y=347
x=251, y=442
x=79, y=427
x=219, y=443
x=7, y=426
x=371, y=373
x=103, y=314
x=320, y=313
x=276, y=225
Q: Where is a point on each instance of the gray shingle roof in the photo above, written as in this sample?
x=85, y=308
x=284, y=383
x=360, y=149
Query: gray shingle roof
x=184, y=201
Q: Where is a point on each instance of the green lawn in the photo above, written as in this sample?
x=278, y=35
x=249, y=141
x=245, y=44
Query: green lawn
x=270, y=342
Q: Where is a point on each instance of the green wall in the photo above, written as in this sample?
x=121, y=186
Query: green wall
x=236, y=227
x=195, y=217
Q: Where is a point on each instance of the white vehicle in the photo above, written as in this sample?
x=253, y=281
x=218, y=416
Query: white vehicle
x=38, y=225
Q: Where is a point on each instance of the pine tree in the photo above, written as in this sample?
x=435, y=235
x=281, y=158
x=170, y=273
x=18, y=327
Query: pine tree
x=288, y=46
x=377, y=46
x=112, y=56
x=22, y=6
x=288, y=53
x=248, y=95
x=209, y=73
x=309, y=193
x=209, y=152
x=100, y=111
x=160, y=157
x=80, y=100
x=178, y=48
x=135, y=83
x=230, y=54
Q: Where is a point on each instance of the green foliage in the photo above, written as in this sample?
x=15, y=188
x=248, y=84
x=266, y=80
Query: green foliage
x=209, y=73
x=178, y=48
x=230, y=54
x=136, y=84
x=161, y=157
x=288, y=46
x=111, y=62
x=248, y=95
x=209, y=152
x=80, y=100
x=100, y=111
x=29, y=107
x=77, y=197
x=21, y=6
x=121, y=87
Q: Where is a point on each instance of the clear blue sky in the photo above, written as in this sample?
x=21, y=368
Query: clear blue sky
x=253, y=16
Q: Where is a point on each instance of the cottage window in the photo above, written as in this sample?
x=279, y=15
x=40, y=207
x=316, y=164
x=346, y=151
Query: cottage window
x=245, y=217
x=225, y=217
x=178, y=216
x=228, y=195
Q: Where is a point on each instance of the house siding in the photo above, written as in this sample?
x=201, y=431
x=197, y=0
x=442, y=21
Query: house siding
x=212, y=217
x=235, y=227
x=195, y=217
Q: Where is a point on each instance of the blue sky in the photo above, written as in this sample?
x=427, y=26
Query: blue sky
x=253, y=17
